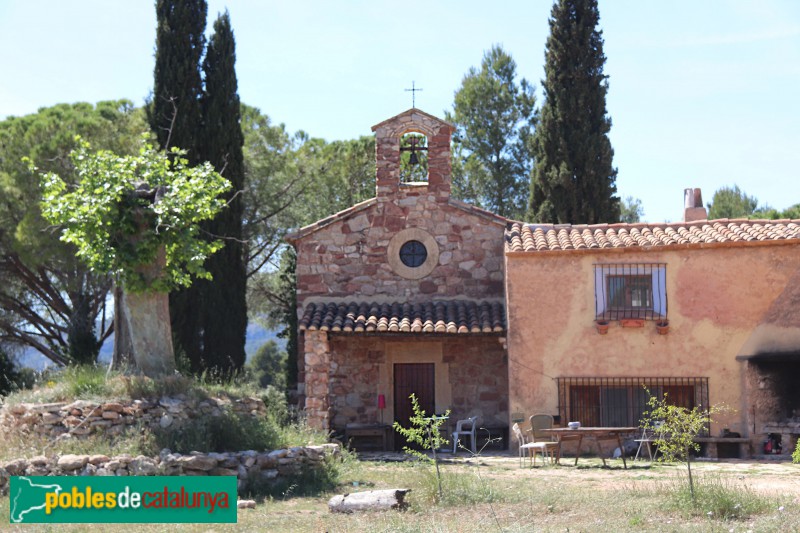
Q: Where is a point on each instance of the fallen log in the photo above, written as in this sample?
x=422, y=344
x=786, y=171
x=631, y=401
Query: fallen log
x=371, y=500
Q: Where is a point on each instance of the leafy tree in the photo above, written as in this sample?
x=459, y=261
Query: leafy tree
x=220, y=336
x=675, y=429
x=631, y=210
x=174, y=112
x=293, y=181
x=276, y=177
x=269, y=365
x=137, y=219
x=573, y=178
x=494, y=118
x=791, y=212
x=424, y=432
x=731, y=202
x=8, y=373
x=50, y=300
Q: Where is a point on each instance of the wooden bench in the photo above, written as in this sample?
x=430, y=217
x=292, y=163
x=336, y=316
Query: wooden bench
x=375, y=437
x=711, y=445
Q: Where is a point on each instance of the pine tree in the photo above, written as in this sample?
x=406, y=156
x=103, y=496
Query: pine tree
x=223, y=307
x=573, y=180
x=175, y=117
x=494, y=117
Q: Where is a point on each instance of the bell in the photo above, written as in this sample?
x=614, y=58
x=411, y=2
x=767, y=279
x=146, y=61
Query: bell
x=413, y=160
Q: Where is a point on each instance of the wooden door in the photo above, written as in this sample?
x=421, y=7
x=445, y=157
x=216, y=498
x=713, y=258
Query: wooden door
x=416, y=378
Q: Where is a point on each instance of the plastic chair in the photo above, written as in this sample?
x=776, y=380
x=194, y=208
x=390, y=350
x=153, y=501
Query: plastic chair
x=465, y=428
x=648, y=437
x=528, y=447
x=538, y=423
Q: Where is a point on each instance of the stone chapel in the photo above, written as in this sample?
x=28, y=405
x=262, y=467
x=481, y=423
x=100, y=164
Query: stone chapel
x=403, y=293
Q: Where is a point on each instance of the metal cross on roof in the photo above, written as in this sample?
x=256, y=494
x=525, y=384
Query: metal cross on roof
x=413, y=90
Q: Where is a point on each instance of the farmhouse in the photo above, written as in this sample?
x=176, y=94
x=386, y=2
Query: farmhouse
x=415, y=291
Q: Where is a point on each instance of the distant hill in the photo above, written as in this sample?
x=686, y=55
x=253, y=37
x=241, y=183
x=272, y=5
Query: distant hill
x=256, y=336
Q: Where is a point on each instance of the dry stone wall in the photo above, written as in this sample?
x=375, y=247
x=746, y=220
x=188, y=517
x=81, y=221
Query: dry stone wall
x=248, y=466
x=84, y=417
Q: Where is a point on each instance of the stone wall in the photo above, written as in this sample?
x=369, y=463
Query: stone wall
x=83, y=417
x=478, y=380
x=247, y=466
x=350, y=258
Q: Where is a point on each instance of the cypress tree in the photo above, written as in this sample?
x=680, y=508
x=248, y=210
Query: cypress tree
x=573, y=180
x=175, y=117
x=174, y=113
x=223, y=307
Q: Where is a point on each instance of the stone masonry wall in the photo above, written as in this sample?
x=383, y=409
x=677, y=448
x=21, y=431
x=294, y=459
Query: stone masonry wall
x=349, y=259
x=477, y=369
x=247, y=466
x=83, y=417
x=346, y=255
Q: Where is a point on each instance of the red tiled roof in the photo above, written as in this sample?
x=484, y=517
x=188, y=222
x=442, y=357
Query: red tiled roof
x=559, y=237
x=438, y=317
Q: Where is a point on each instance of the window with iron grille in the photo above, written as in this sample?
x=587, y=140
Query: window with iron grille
x=637, y=290
x=622, y=402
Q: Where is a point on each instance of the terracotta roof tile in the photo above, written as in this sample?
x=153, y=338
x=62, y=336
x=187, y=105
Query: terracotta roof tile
x=521, y=237
x=439, y=317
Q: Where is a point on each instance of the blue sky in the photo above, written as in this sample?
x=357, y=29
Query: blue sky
x=702, y=93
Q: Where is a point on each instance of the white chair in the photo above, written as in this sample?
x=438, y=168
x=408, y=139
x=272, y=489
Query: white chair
x=649, y=435
x=528, y=447
x=465, y=428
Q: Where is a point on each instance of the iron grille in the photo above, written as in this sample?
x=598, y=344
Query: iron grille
x=621, y=402
x=630, y=290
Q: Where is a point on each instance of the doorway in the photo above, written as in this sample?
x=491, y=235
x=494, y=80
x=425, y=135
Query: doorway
x=413, y=378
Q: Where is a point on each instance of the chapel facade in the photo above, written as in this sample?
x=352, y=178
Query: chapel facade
x=401, y=294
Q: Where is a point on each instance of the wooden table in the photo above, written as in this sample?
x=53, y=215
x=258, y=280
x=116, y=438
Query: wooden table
x=597, y=434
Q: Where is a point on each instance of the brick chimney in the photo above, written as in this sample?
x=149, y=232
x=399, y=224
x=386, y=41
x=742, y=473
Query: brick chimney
x=693, y=206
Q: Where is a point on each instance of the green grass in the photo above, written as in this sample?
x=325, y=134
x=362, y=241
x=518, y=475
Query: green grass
x=495, y=494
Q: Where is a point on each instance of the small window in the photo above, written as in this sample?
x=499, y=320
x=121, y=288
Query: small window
x=413, y=254
x=631, y=291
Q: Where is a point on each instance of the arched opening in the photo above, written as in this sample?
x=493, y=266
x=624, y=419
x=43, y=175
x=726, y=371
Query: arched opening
x=413, y=158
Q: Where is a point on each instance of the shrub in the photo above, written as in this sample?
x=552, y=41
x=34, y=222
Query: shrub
x=796, y=453
x=224, y=433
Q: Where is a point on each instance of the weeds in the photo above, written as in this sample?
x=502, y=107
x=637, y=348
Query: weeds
x=714, y=497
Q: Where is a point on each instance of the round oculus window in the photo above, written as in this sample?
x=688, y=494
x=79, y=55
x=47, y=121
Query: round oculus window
x=413, y=254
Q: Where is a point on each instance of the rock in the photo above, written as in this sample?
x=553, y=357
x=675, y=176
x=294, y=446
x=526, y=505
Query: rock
x=114, y=407
x=246, y=504
x=39, y=460
x=98, y=459
x=71, y=462
x=143, y=466
x=110, y=415
x=197, y=462
x=165, y=421
x=51, y=418
x=103, y=472
x=223, y=472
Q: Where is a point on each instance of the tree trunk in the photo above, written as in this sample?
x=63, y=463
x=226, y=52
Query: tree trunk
x=371, y=500
x=145, y=334
x=122, y=357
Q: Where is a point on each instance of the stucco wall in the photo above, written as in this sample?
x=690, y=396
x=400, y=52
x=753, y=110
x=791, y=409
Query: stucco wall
x=717, y=297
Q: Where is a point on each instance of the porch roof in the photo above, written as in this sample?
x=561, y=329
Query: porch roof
x=434, y=317
x=521, y=237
